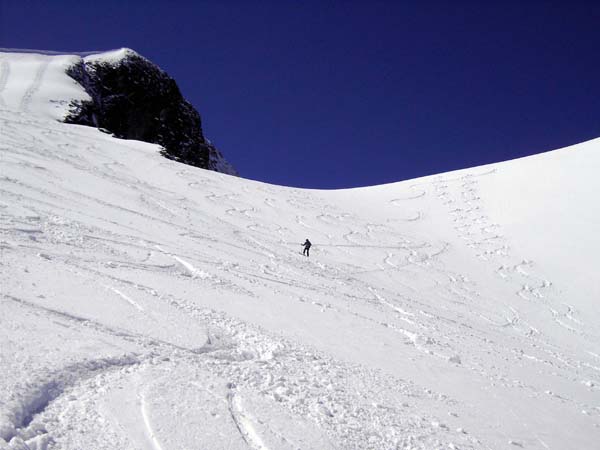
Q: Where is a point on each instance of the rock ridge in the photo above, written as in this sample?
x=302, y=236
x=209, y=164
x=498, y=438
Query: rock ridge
x=133, y=98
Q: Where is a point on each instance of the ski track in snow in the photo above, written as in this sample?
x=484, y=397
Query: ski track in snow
x=151, y=434
x=244, y=422
x=4, y=75
x=120, y=285
x=133, y=303
x=35, y=85
x=484, y=237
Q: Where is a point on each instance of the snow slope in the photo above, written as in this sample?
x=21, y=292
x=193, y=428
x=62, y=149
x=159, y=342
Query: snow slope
x=37, y=84
x=146, y=304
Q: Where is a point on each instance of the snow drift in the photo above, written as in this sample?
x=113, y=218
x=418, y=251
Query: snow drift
x=147, y=304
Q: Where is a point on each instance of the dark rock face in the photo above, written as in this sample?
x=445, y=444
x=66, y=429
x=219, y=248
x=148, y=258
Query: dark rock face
x=134, y=99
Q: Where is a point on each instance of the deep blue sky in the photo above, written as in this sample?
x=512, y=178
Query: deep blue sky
x=337, y=94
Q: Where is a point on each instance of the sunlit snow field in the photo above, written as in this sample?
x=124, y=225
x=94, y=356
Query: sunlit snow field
x=147, y=304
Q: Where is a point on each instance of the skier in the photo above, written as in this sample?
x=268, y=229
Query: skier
x=306, y=245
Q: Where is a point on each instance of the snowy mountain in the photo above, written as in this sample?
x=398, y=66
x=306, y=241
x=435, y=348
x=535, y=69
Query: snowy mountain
x=119, y=91
x=147, y=304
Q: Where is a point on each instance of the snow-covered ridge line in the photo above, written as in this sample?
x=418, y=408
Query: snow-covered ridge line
x=484, y=169
x=53, y=52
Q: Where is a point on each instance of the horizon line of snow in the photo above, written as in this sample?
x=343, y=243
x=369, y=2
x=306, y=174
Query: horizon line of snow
x=53, y=52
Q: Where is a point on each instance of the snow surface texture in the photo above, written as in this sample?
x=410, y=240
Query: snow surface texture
x=150, y=305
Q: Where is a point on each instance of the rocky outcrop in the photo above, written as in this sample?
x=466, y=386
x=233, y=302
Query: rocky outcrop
x=133, y=98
